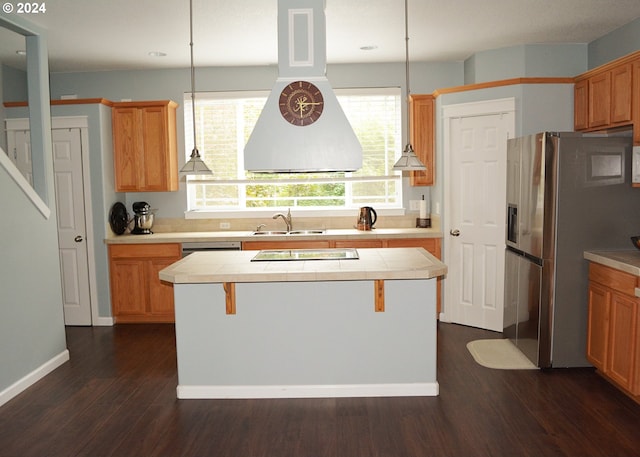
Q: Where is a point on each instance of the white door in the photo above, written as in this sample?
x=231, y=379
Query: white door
x=72, y=233
x=475, y=195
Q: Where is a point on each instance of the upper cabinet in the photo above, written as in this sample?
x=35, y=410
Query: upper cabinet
x=603, y=97
x=422, y=137
x=145, y=146
x=635, y=100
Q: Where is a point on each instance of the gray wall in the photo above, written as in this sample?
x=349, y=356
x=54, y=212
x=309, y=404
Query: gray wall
x=532, y=60
x=31, y=314
x=618, y=43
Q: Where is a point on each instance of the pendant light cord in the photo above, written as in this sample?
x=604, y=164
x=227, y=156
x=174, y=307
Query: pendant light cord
x=195, y=152
x=406, y=48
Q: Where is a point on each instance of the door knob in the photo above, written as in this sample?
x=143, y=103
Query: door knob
x=454, y=232
x=78, y=239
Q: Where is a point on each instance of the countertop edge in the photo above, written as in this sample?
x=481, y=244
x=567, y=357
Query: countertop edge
x=627, y=261
x=244, y=236
x=215, y=270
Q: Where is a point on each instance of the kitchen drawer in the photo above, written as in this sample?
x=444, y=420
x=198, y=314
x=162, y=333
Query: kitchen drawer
x=358, y=244
x=612, y=278
x=152, y=250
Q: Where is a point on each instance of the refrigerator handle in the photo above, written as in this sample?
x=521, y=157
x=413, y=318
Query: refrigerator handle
x=512, y=223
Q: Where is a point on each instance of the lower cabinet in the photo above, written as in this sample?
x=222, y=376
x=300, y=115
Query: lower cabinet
x=432, y=245
x=137, y=294
x=613, y=327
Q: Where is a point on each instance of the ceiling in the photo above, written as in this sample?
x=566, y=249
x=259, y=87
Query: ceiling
x=96, y=35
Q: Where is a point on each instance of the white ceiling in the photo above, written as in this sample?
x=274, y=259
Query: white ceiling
x=88, y=35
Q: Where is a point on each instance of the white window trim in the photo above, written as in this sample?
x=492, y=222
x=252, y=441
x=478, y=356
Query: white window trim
x=297, y=211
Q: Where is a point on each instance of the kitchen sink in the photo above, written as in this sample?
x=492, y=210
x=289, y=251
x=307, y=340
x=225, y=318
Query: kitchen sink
x=306, y=254
x=292, y=232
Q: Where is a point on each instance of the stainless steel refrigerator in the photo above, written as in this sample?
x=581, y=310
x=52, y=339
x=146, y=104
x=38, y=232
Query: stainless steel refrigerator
x=566, y=193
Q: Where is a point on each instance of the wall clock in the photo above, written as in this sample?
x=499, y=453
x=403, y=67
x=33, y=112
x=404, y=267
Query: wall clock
x=301, y=103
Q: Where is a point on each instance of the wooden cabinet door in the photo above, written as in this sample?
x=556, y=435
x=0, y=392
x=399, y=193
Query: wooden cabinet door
x=581, y=105
x=145, y=146
x=128, y=287
x=126, y=148
x=621, y=355
x=635, y=105
x=621, y=83
x=154, y=147
x=598, y=325
x=422, y=137
x=600, y=100
x=160, y=293
x=137, y=294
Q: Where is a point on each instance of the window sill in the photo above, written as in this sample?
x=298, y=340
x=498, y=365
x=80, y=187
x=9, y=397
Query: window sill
x=296, y=212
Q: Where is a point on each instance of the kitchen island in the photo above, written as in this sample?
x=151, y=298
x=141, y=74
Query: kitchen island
x=361, y=326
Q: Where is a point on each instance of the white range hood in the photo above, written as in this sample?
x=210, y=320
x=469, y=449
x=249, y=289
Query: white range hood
x=329, y=143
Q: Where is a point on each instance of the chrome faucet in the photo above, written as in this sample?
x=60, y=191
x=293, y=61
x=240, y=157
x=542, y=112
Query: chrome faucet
x=286, y=219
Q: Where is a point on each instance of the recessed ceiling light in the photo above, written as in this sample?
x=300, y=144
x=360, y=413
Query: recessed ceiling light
x=21, y=52
x=370, y=47
x=157, y=54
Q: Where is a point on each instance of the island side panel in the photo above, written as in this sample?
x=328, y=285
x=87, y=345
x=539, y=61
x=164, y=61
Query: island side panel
x=297, y=339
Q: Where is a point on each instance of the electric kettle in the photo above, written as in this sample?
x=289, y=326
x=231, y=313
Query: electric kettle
x=367, y=218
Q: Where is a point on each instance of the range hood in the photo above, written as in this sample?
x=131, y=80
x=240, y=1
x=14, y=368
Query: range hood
x=327, y=143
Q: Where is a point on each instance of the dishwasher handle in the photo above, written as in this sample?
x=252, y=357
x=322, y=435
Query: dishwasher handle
x=195, y=246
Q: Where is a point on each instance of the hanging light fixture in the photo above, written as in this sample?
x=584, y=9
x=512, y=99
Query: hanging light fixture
x=195, y=165
x=408, y=160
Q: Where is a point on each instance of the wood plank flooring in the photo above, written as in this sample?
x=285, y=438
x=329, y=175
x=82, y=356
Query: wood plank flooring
x=116, y=397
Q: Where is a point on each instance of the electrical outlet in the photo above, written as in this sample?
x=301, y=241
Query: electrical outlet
x=225, y=225
x=414, y=205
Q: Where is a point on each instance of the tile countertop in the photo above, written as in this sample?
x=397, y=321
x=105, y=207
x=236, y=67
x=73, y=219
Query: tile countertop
x=628, y=261
x=236, y=266
x=185, y=237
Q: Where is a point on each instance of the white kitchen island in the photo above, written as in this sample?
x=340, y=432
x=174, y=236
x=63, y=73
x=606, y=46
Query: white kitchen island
x=306, y=328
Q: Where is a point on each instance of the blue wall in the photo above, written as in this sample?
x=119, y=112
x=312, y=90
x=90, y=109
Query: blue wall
x=618, y=43
x=31, y=314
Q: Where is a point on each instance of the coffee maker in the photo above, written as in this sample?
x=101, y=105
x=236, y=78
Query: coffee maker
x=143, y=218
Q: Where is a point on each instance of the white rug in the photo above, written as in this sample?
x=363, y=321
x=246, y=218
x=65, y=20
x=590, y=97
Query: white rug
x=501, y=354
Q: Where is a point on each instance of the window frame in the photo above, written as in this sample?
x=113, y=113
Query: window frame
x=316, y=211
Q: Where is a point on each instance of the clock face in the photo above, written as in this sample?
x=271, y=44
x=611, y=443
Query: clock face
x=301, y=103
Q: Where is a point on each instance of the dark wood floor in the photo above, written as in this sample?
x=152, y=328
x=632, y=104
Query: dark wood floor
x=116, y=397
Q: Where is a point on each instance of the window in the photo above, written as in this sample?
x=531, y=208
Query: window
x=225, y=122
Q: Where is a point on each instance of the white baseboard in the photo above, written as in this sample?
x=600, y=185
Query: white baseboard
x=33, y=377
x=103, y=322
x=430, y=389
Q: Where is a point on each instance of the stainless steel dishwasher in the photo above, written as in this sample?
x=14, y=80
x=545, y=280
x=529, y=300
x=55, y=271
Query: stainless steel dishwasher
x=195, y=246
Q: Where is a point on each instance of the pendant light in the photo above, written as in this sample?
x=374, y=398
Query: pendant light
x=408, y=160
x=195, y=165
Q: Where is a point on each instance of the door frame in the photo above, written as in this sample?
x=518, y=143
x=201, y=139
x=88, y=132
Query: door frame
x=456, y=111
x=82, y=123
